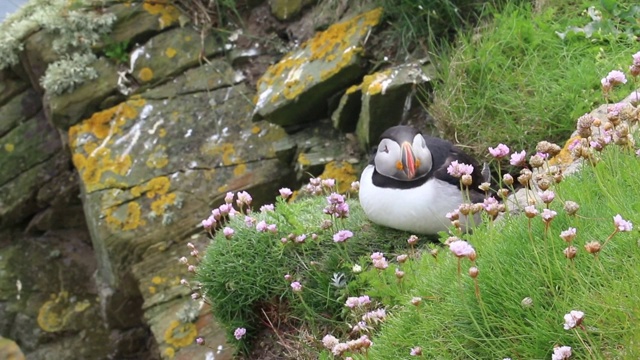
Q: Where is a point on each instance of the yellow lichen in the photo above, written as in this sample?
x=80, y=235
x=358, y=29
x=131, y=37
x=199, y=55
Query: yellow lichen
x=127, y=217
x=372, y=84
x=223, y=188
x=331, y=46
x=170, y=52
x=157, y=186
x=152, y=290
x=168, y=13
x=342, y=172
x=158, y=158
x=180, y=334
x=169, y=353
x=564, y=157
x=352, y=89
x=225, y=150
x=145, y=74
x=93, y=158
x=239, y=170
x=9, y=147
x=255, y=129
x=55, y=314
x=160, y=205
x=162, y=132
x=303, y=160
x=157, y=280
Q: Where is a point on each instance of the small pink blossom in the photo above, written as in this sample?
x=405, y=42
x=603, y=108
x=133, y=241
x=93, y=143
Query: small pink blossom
x=573, y=319
x=377, y=256
x=569, y=234
x=329, y=183
x=616, y=77
x=267, y=208
x=225, y=209
x=342, y=236
x=561, y=353
x=416, y=351
x=329, y=341
x=228, y=232
x=636, y=58
x=548, y=215
x=547, y=196
x=375, y=316
x=239, y=333
x=183, y=260
x=499, y=151
x=296, y=286
x=380, y=264
x=216, y=214
x=518, y=159
x=285, y=193
x=244, y=199
x=209, y=222
x=300, y=238
x=228, y=199
x=355, y=186
x=249, y=221
x=412, y=240
x=272, y=228
x=457, y=169
x=261, y=226
x=461, y=248
x=622, y=224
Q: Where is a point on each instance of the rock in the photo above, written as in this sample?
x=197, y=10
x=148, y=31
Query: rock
x=9, y=350
x=386, y=96
x=288, y=9
x=150, y=169
x=10, y=85
x=345, y=117
x=67, y=109
x=209, y=77
x=170, y=53
x=38, y=54
x=138, y=21
x=295, y=90
x=174, y=317
x=17, y=110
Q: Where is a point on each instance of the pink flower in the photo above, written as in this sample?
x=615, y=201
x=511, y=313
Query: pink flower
x=636, y=58
x=342, y=236
x=548, y=215
x=228, y=199
x=301, y=238
x=355, y=186
x=457, y=169
x=569, y=234
x=377, y=256
x=380, y=264
x=244, y=199
x=272, y=228
x=267, y=207
x=209, y=222
x=412, y=240
x=261, y=226
x=225, y=209
x=328, y=183
x=616, y=77
x=518, y=159
x=461, y=248
x=200, y=340
x=606, y=85
x=547, y=196
x=239, y=333
x=561, y=353
x=228, y=232
x=491, y=205
x=329, y=341
x=249, y=221
x=285, y=193
x=296, y=286
x=573, y=319
x=621, y=224
x=375, y=316
x=216, y=214
x=416, y=351
x=183, y=260
x=499, y=151
x=353, y=301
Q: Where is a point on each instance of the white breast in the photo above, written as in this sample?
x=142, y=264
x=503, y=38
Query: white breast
x=419, y=210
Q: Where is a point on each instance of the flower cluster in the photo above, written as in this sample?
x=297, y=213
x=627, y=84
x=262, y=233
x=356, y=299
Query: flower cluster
x=360, y=301
x=338, y=348
x=614, y=77
x=375, y=316
x=461, y=248
x=499, y=151
x=457, y=169
x=337, y=206
x=379, y=261
x=561, y=353
x=573, y=319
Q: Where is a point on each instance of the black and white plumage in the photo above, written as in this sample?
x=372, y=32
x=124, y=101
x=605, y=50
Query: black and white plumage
x=406, y=185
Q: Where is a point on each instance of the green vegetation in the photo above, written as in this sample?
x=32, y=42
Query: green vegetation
x=516, y=80
x=526, y=284
x=118, y=52
x=243, y=277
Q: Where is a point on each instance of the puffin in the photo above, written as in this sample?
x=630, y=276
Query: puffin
x=406, y=185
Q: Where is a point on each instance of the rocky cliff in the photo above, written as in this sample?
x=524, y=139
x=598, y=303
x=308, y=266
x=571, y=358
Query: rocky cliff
x=121, y=123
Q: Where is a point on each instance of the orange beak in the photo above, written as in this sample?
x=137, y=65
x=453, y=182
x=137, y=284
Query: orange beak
x=408, y=160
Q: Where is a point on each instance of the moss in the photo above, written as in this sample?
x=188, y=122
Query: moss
x=180, y=334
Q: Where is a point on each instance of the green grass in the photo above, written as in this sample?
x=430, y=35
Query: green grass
x=243, y=276
x=515, y=263
x=514, y=80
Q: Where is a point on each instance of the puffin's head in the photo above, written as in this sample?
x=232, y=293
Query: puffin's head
x=403, y=154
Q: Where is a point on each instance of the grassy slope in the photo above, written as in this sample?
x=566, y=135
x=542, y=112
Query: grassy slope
x=452, y=323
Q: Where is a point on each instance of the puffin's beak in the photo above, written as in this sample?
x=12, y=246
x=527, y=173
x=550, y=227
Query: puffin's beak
x=408, y=160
